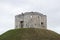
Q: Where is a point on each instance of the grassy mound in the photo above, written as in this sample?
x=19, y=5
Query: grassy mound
x=30, y=34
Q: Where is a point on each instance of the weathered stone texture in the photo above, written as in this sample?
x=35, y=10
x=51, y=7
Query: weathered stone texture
x=31, y=20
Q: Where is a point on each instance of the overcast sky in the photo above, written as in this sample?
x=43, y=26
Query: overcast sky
x=10, y=8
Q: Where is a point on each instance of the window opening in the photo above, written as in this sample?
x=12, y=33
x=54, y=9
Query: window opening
x=21, y=22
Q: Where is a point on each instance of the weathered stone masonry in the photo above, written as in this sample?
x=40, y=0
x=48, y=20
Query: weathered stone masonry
x=31, y=20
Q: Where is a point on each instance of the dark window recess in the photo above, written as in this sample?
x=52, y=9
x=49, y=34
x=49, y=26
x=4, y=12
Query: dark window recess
x=42, y=23
x=38, y=16
x=26, y=24
x=21, y=22
x=35, y=24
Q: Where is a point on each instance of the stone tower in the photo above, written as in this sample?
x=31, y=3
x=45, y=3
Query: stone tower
x=31, y=20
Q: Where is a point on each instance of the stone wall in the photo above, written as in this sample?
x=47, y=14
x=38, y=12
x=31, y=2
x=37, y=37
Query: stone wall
x=31, y=21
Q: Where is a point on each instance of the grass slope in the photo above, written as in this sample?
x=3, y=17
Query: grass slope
x=30, y=34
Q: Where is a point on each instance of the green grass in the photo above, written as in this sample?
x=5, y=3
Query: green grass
x=30, y=34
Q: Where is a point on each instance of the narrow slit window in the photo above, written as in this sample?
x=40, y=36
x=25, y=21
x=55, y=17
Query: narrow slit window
x=38, y=16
